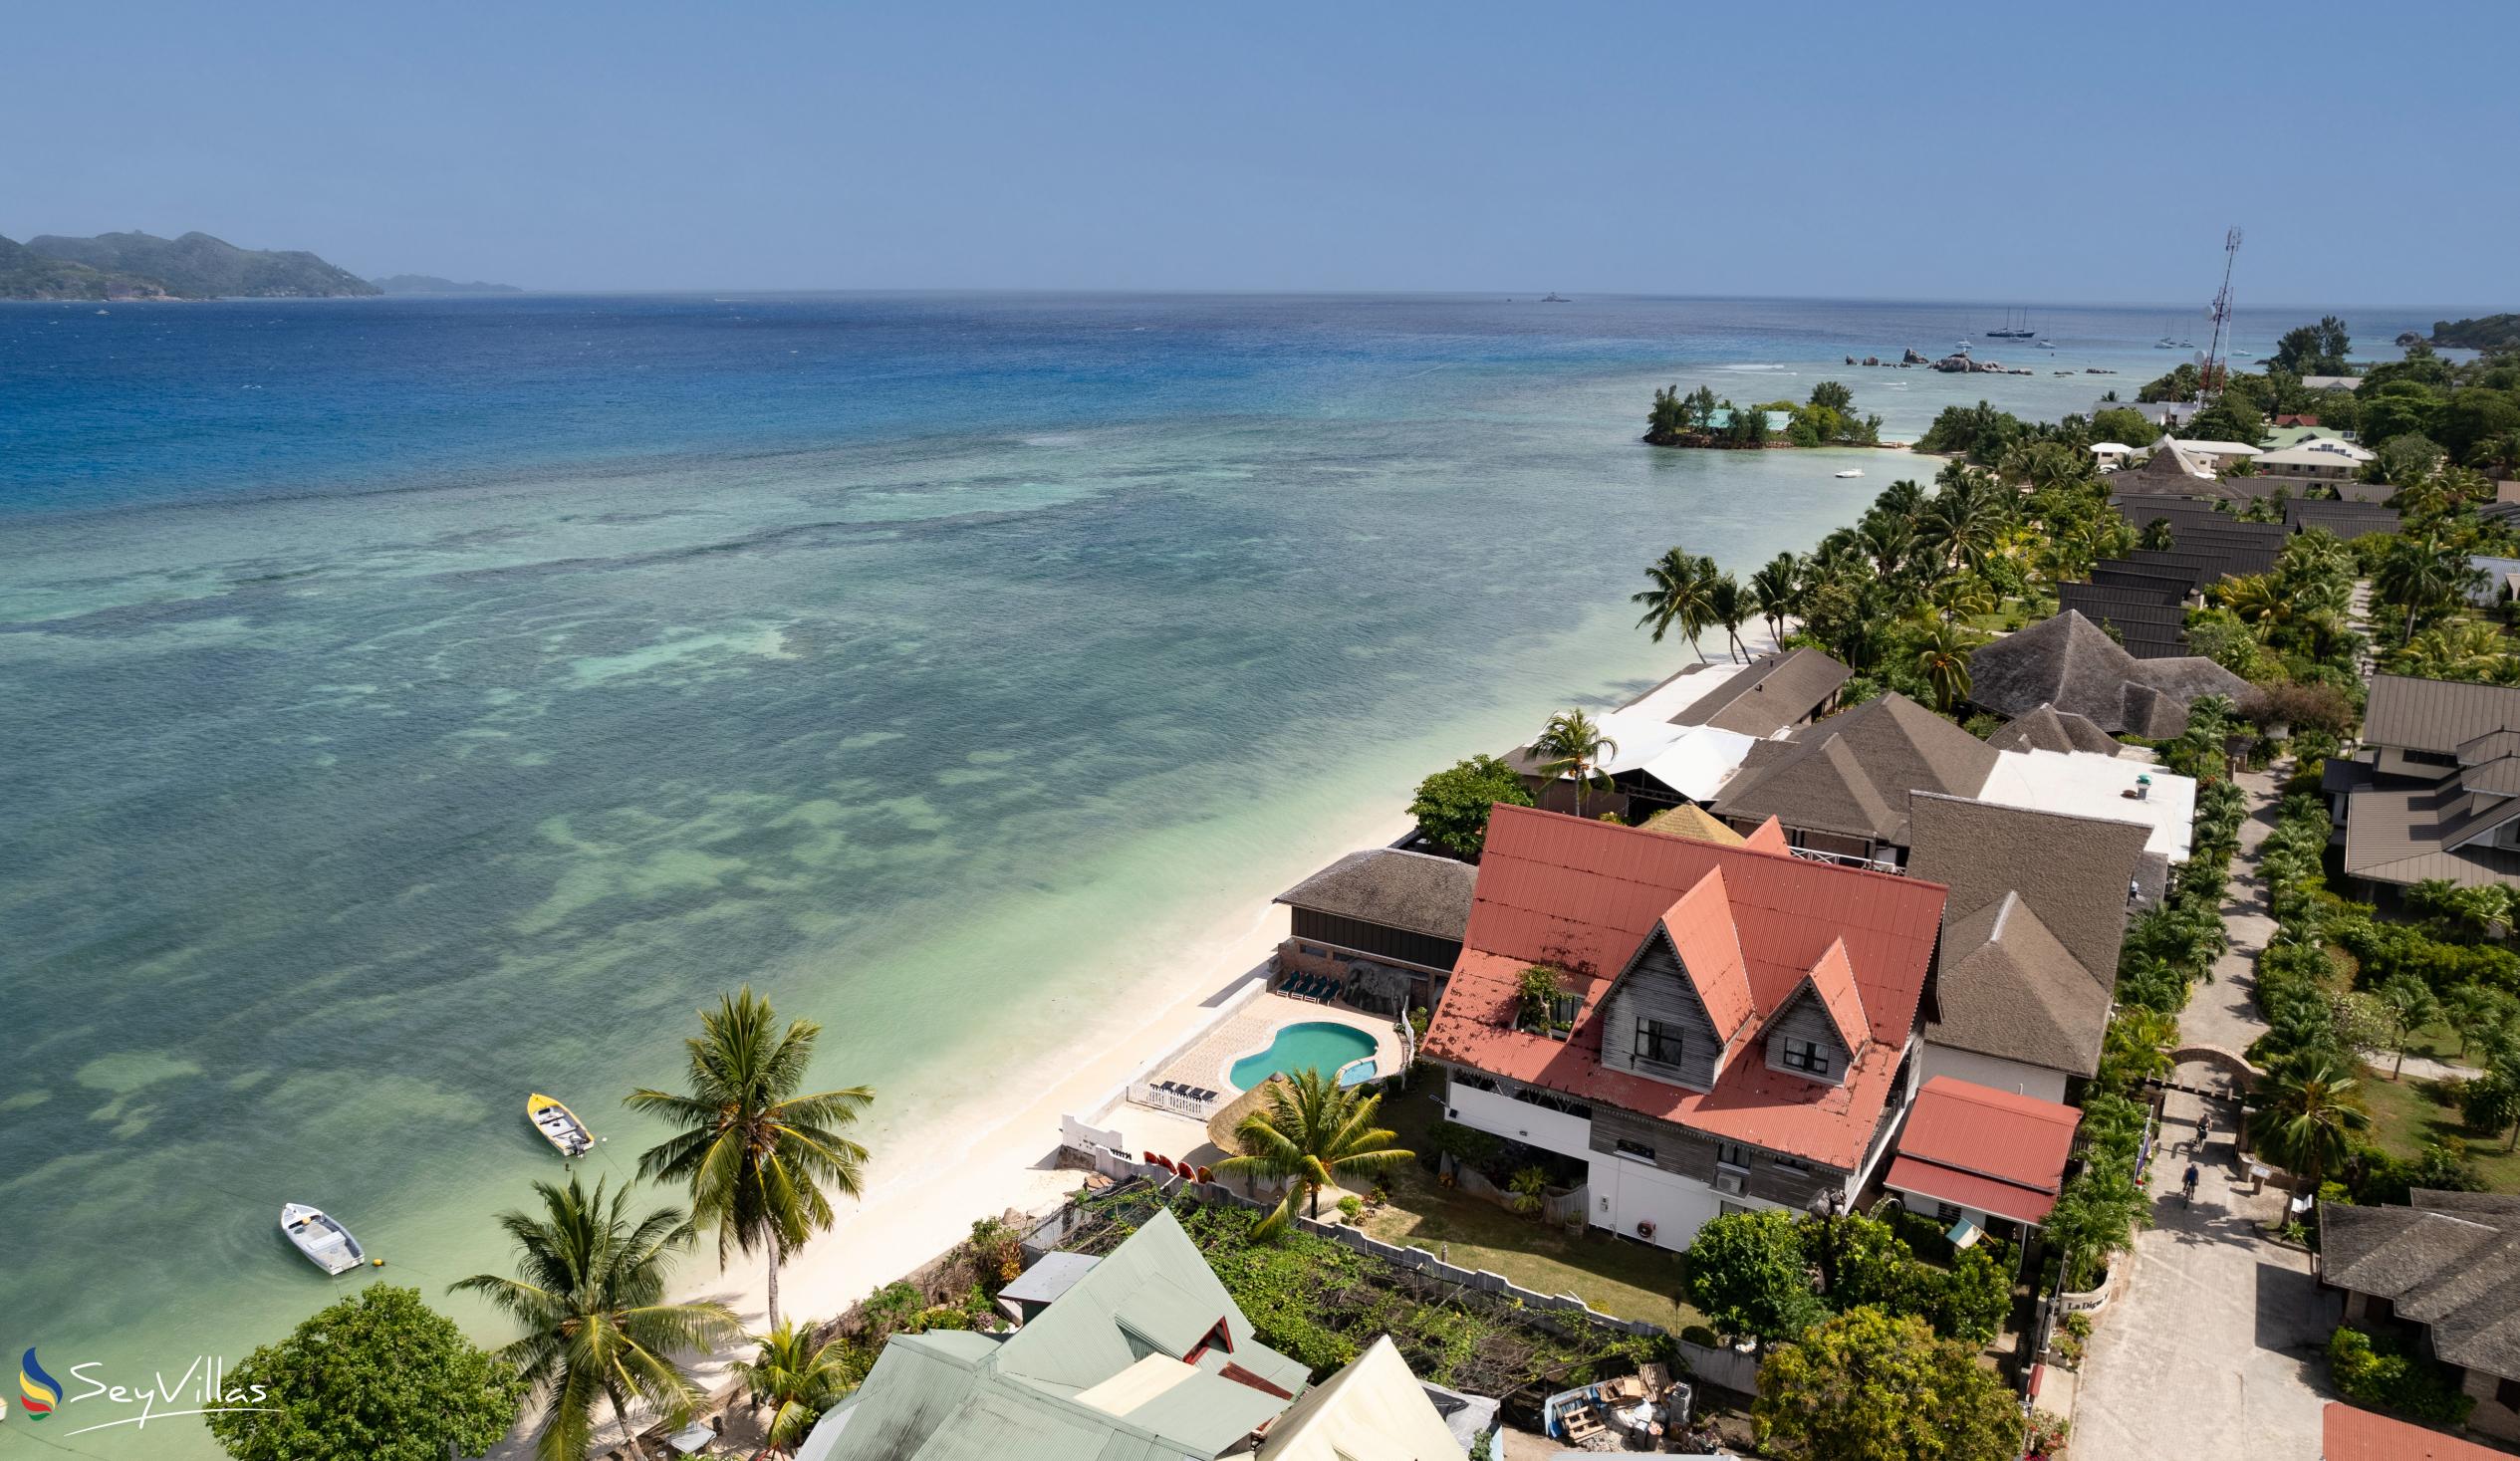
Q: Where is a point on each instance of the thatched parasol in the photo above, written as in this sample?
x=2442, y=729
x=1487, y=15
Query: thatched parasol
x=1229, y=1116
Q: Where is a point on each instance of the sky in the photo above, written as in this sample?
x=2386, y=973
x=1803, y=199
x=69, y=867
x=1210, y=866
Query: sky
x=2022, y=152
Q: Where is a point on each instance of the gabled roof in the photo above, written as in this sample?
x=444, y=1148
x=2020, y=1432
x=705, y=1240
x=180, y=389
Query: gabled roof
x=2435, y=715
x=1582, y=896
x=2404, y=836
x=1993, y=1150
x=1769, y=693
x=2050, y=729
x=2455, y=1271
x=1768, y=836
x=2150, y=623
x=1851, y=773
x=1831, y=985
x=1413, y=892
x=2031, y=931
x=2315, y=451
x=2347, y=520
x=2066, y=662
x=1694, y=822
x=1373, y=1410
x=1700, y=932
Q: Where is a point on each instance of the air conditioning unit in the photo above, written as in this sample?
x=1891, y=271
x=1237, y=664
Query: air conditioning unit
x=1728, y=1183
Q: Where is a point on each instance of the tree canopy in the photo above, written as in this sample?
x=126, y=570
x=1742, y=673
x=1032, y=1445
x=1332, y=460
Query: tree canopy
x=377, y=1376
x=1453, y=803
x=1870, y=1387
x=2314, y=350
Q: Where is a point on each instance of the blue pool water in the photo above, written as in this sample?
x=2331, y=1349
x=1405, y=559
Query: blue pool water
x=1315, y=1045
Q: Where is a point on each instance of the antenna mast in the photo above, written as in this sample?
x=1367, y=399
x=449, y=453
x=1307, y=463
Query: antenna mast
x=2209, y=385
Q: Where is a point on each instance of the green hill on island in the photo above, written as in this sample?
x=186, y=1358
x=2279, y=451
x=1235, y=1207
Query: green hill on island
x=432, y=283
x=2493, y=331
x=144, y=266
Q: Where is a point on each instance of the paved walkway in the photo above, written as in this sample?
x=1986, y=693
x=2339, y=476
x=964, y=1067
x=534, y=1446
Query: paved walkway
x=2212, y=1346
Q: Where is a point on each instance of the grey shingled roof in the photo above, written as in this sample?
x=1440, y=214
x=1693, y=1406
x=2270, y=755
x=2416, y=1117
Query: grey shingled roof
x=2435, y=715
x=2451, y=1267
x=2403, y=837
x=2148, y=625
x=2071, y=873
x=1413, y=892
x=2050, y=729
x=2067, y=661
x=2166, y=584
x=1769, y=694
x=2345, y=519
x=1851, y=773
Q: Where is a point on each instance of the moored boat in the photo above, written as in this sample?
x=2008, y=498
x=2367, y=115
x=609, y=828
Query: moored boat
x=1852, y=472
x=326, y=1243
x=559, y=1125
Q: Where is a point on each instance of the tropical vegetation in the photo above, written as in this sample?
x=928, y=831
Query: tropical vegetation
x=378, y=1374
x=1311, y=1132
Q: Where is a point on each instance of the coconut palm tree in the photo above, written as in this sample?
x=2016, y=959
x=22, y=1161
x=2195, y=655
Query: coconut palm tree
x=2422, y=573
x=760, y=1159
x=1728, y=606
x=796, y=1379
x=1314, y=1131
x=2308, y=1114
x=2258, y=602
x=1943, y=660
x=1572, y=745
x=1776, y=589
x=590, y=1293
x=1681, y=594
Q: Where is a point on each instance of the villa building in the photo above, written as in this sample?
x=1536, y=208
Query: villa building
x=2027, y=963
x=2066, y=662
x=1990, y=1158
x=2444, y=1273
x=2347, y=520
x=2175, y=469
x=2435, y=790
x=1733, y=1027
x=2321, y=462
x=1139, y=1356
x=1385, y=923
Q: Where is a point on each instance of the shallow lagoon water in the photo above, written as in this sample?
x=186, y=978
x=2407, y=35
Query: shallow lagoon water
x=405, y=706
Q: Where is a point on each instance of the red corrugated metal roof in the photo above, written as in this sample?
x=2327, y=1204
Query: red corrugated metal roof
x=1985, y=1148
x=2003, y=1200
x=2348, y=1434
x=1769, y=837
x=1702, y=934
x=1832, y=979
x=1582, y=896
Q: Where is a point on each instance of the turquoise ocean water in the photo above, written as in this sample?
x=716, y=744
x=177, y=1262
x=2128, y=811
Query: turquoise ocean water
x=404, y=705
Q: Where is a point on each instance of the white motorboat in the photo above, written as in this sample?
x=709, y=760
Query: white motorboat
x=559, y=1125
x=1852, y=472
x=326, y=1243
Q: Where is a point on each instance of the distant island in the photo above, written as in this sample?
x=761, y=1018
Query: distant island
x=2492, y=333
x=432, y=283
x=142, y=266
x=1700, y=420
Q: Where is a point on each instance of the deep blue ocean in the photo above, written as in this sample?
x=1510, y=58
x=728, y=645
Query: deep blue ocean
x=404, y=705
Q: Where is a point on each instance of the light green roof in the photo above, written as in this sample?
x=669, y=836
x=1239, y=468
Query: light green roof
x=1155, y=1287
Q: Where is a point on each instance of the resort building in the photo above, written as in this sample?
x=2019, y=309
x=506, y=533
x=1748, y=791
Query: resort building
x=2434, y=791
x=1989, y=1158
x=1385, y=924
x=1727, y=1028
x=2199, y=531
x=2175, y=468
x=2050, y=729
x=2067, y=662
x=1839, y=788
x=2321, y=462
x=2146, y=615
x=2444, y=1273
x=2347, y=520
x=2027, y=962
x=1679, y=741
x=1141, y=1355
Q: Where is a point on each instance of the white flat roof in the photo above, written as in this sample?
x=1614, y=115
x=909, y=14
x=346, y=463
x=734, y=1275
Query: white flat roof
x=1680, y=691
x=1700, y=762
x=2110, y=449
x=2221, y=448
x=2087, y=783
x=2317, y=452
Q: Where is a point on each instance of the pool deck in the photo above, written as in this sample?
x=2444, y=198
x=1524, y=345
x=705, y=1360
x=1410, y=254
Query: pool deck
x=1250, y=1029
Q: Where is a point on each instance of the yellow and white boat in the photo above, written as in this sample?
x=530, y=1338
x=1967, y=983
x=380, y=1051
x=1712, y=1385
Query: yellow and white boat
x=559, y=1125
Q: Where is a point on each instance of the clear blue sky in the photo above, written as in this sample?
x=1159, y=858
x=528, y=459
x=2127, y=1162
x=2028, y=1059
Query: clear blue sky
x=1999, y=152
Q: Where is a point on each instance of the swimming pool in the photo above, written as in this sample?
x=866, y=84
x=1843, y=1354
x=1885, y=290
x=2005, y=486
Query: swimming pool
x=1312, y=1046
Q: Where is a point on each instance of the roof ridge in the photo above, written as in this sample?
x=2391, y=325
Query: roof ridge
x=1512, y=813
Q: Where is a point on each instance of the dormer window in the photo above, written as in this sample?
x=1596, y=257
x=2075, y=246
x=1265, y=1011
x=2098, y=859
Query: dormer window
x=1658, y=1043
x=1809, y=1057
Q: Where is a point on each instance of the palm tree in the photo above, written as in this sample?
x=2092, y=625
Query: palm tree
x=1314, y=1131
x=1681, y=594
x=2422, y=573
x=590, y=1292
x=757, y=1156
x=1943, y=660
x=1776, y=591
x=1889, y=541
x=2309, y=1113
x=796, y=1379
x=1727, y=605
x=1573, y=745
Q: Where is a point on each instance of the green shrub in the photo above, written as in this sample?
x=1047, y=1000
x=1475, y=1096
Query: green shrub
x=1352, y=1207
x=2377, y=1373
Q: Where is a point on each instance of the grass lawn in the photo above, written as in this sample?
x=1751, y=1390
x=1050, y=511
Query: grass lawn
x=2407, y=1113
x=1613, y=1276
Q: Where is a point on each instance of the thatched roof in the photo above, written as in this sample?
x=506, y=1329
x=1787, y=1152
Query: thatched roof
x=1694, y=822
x=1412, y=892
x=1228, y=1118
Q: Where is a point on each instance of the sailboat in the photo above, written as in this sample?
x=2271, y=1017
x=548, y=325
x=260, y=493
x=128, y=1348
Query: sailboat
x=2010, y=330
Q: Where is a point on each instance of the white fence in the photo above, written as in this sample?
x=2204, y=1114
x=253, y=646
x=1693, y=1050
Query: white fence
x=1726, y=1368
